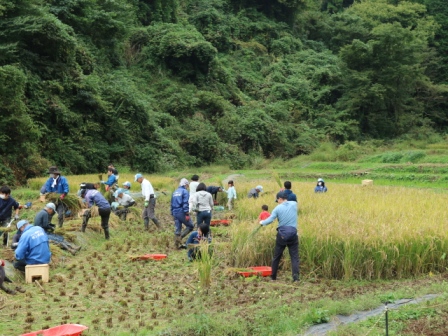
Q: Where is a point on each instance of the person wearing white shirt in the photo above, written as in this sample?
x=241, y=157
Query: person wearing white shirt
x=150, y=201
x=193, y=185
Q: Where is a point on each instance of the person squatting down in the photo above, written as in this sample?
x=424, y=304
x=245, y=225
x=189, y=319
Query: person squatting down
x=33, y=247
x=7, y=205
x=94, y=197
x=150, y=201
x=57, y=184
x=42, y=219
x=180, y=210
x=255, y=192
x=203, y=234
x=286, y=213
x=122, y=202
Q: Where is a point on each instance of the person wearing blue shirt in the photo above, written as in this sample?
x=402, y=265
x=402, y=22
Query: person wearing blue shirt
x=288, y=191
x=33, y=248
x=94, y=197
x=320, y=187
x=180, y=210
x=111, y=180
x=203, y=234
x=57, y=184
x=286, y=213
x=7, y=204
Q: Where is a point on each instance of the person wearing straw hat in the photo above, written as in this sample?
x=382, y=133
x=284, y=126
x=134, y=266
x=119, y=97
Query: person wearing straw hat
x=149, y=211
x=286, y=213
x=254, y=192
x=33, y=247
x=180, y=210
x=58, y=184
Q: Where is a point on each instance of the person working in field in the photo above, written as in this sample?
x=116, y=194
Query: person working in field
x=33, y=248
x=94, y=197
x=7, y=205
x=287, y=189
x=58, y=184
x=286, y=213
x=264, y=212
x=255, y=192
x=231, y=194
x=203, y=234
x=111, y=180
x=320, y=187
x=42, y=219
x=180, y=210
x=193, y=185
x=122, y=202
x=150, y=201
x=213, y=190
x=202, y=204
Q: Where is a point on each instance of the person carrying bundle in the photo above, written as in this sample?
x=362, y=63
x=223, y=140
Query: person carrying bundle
x=58, y=184
x=94, y=197
x=111, y=180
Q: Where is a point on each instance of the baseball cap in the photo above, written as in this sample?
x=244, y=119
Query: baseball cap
x=22, y=223
x=282, y=195
x=51, y=206
x=137, y=176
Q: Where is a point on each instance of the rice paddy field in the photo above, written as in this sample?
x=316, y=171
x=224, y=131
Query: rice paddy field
x=359, y=247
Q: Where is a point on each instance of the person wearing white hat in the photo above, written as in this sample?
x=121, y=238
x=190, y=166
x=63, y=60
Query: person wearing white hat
x=254, y=192
x=180, y=210
x=33, y=247
x=320, y=187
x=149, y=211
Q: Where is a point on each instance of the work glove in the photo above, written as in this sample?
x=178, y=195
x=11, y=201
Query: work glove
x=261, y=222
x=102, y=182
x=187, y=217
x=146, y=204
x=62, y=197
x=16, y=217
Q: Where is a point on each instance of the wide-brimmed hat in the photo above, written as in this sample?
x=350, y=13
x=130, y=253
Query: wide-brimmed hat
x=53, y=170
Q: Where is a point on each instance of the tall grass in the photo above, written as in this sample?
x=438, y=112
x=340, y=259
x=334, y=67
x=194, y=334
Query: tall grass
x=352, y=232
x=204, y=264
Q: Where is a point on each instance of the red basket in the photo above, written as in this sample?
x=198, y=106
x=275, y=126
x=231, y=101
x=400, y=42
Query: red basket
x=218, y=222
x=62, y=330
x=258, y=270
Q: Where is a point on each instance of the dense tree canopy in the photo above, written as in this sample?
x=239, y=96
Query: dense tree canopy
x=158, y=84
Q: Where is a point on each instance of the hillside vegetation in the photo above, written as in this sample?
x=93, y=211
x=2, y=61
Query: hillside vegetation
x=163, y=84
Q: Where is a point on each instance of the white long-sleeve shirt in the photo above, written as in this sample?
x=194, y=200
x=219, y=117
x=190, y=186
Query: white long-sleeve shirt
x=147, y=189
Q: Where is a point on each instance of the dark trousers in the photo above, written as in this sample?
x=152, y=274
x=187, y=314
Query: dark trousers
x=4, y=223
x=20, y=265
x=293, y=248
x=105, y=215
x=204, y=217
x=179, y=219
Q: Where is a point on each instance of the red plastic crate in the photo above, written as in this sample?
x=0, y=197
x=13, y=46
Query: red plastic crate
x=62, y=330
x=218, y=222
x=257, y=270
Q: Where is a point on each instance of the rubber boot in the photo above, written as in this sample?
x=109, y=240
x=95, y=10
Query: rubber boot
x=156, y=222
x=84, y=223
x=146, y=221
x=106, y=233
x=61, y=221
x=177, y=241
x=185, y=232
x=83, y=227
x=7, y=279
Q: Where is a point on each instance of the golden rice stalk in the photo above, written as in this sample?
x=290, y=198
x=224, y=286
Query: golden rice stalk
x=72, y=202
x=276, y=177
x=102, y=186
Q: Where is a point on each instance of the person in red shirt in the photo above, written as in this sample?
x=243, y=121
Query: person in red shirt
x=265, y=213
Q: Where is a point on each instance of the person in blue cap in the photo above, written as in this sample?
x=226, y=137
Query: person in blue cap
x=254, y=192
x=33, y=247
x=320, y=187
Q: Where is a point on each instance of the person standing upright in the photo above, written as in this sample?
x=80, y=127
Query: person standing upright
x=150, y=201
x=7, y=204
x=286, y=213
x=231, y=194
x=180, y=210
x=288, y=191
x=193, y=185
x=58, y=184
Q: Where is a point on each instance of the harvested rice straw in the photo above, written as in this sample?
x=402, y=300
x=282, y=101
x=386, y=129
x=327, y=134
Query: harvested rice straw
x=72, y=202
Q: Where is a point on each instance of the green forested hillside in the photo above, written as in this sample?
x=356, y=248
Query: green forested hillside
x=157, y=84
